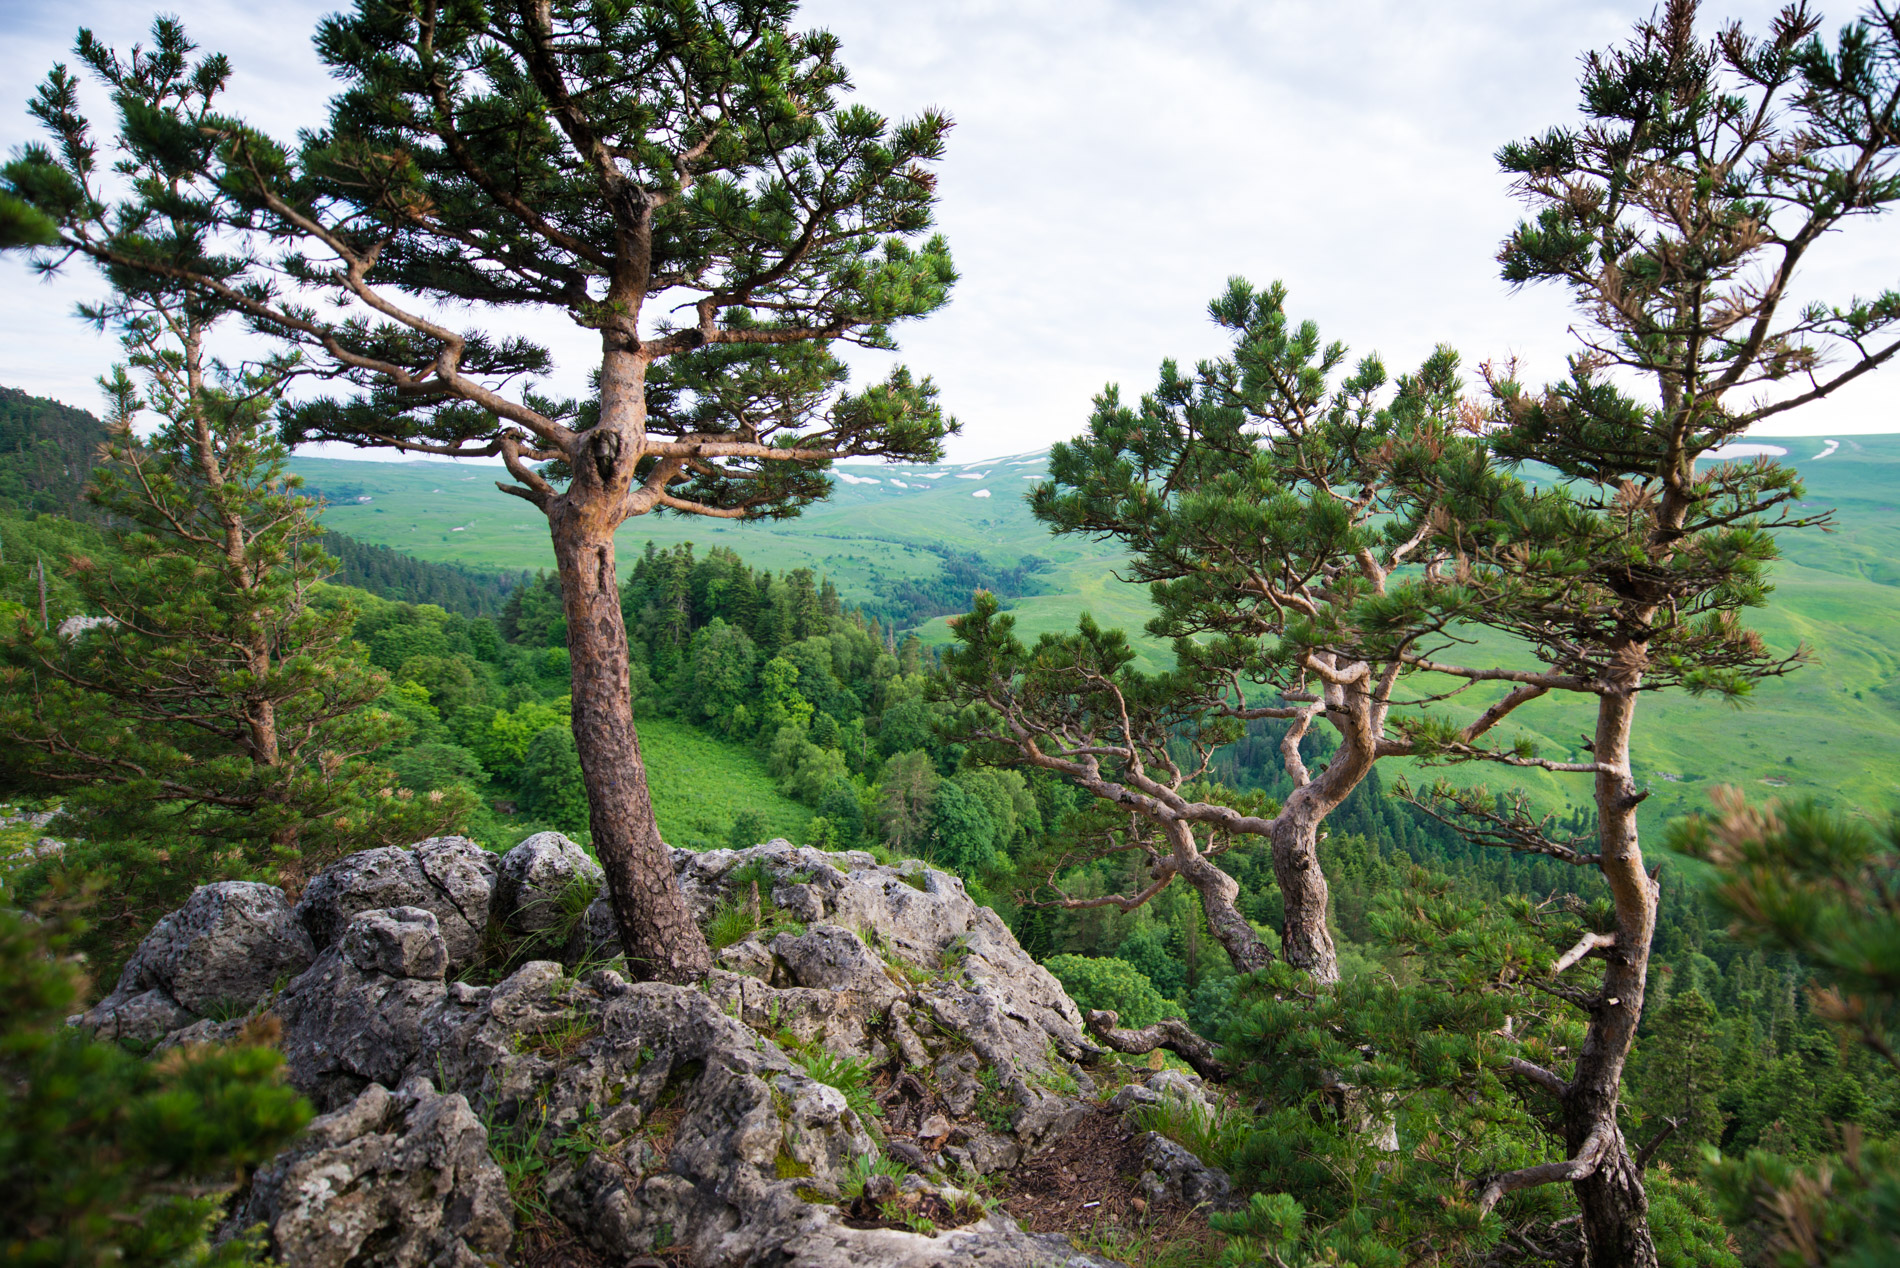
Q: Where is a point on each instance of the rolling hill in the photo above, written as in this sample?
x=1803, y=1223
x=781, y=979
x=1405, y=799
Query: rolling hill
x=1831, y=730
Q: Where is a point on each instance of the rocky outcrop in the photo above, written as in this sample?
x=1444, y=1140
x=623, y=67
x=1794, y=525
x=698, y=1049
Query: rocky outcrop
x=226, y=948
x=355, y=1016
x=400, y=1178
x=546, y=886
x=1171, y=1174
x=450, y=876
x=720, y=1124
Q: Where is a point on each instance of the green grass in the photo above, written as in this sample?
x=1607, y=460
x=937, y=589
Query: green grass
x=1837, y=719
x=701, y=783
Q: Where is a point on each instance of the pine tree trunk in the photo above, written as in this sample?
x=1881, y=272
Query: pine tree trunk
x=1615, y=1206
x=1218, y=891
x=657, y=931
x=1306, y=939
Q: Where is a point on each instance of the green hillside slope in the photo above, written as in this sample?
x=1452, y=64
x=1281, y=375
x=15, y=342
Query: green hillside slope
x=1831, y=729
x=884, y=528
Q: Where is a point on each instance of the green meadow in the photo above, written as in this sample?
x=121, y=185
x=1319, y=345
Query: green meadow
x=701, y=784
x=1830, y=730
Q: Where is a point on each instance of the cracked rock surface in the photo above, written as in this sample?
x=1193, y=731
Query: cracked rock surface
x=227, y=947
x=399, y=1178
x=449, y=876
x=722, y=1125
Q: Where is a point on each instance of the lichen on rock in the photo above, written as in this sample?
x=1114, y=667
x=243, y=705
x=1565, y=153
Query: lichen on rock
x=870, y=1013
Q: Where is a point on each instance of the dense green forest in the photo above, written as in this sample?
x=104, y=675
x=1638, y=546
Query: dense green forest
x=815, y=720
x=1324, y=758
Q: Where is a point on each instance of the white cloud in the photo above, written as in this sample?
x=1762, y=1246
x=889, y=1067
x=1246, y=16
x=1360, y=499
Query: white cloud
x=1114, y=162
x=980, y=493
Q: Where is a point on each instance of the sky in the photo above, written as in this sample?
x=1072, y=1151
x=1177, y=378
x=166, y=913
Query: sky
x=1113, y=163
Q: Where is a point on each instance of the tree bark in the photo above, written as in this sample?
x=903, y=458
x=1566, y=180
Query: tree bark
x=1218, y=891
x=1306, y=939
x=1615, y=1205
x=657, y=930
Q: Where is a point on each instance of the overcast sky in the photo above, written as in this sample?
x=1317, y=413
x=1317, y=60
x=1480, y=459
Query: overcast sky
x=1113, y=163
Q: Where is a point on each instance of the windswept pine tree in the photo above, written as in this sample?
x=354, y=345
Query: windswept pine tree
x=1678, y=214
x=568, y=159
x=1266, y=495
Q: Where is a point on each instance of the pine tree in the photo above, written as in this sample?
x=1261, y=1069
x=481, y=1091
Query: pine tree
x=202, y=689
x=1271, y=501
x=1679, y=1079
x=1678, y=215
x=578, y=160
x=1815, y=882
x=106, y=1158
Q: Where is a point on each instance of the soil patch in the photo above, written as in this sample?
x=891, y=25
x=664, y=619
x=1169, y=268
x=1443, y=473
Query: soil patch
x=1083, y=1186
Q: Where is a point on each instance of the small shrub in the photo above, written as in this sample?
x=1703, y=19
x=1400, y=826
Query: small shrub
x=747, y=830
x=1106, y=982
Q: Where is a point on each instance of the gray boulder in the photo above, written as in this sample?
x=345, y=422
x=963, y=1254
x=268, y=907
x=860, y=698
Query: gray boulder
x=145, y=1018
x=450, y=876
x=597, y=940
x=539, y=880
x=976, y=980
x=223, y=951
x=656, y=1115
x=389, y=1180
x=1169, y=1173
x=399, y=942
x=666, y=1119
x=356, y=1016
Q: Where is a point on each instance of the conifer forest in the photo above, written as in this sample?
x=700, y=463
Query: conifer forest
x=532, y=733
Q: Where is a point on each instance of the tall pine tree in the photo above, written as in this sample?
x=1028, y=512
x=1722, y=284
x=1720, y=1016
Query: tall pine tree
x=578, y=160
x=201, y=689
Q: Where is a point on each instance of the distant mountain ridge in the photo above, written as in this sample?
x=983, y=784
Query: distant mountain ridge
x=47, y=452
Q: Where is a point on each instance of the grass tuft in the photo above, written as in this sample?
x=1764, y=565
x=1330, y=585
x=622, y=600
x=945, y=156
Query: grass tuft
x=847, y=1074
x=1212, y=1133
x=732, y=921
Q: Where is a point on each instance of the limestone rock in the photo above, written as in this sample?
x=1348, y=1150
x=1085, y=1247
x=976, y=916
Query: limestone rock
x=224, y=950
x=450, y=876
x=399, y=942
x=832, y=958
x=597, y=940
x=144, y=1018
x=981, y=986
x=349, y=1021
x=659, y=1115
x=1159, y=1086
x=1171, y=1174
x=388, y=1180
x=537, y=878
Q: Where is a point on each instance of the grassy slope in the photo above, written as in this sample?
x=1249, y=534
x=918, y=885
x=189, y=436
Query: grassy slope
x=1838, y=718
x=701, y=784
x=867, y=534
